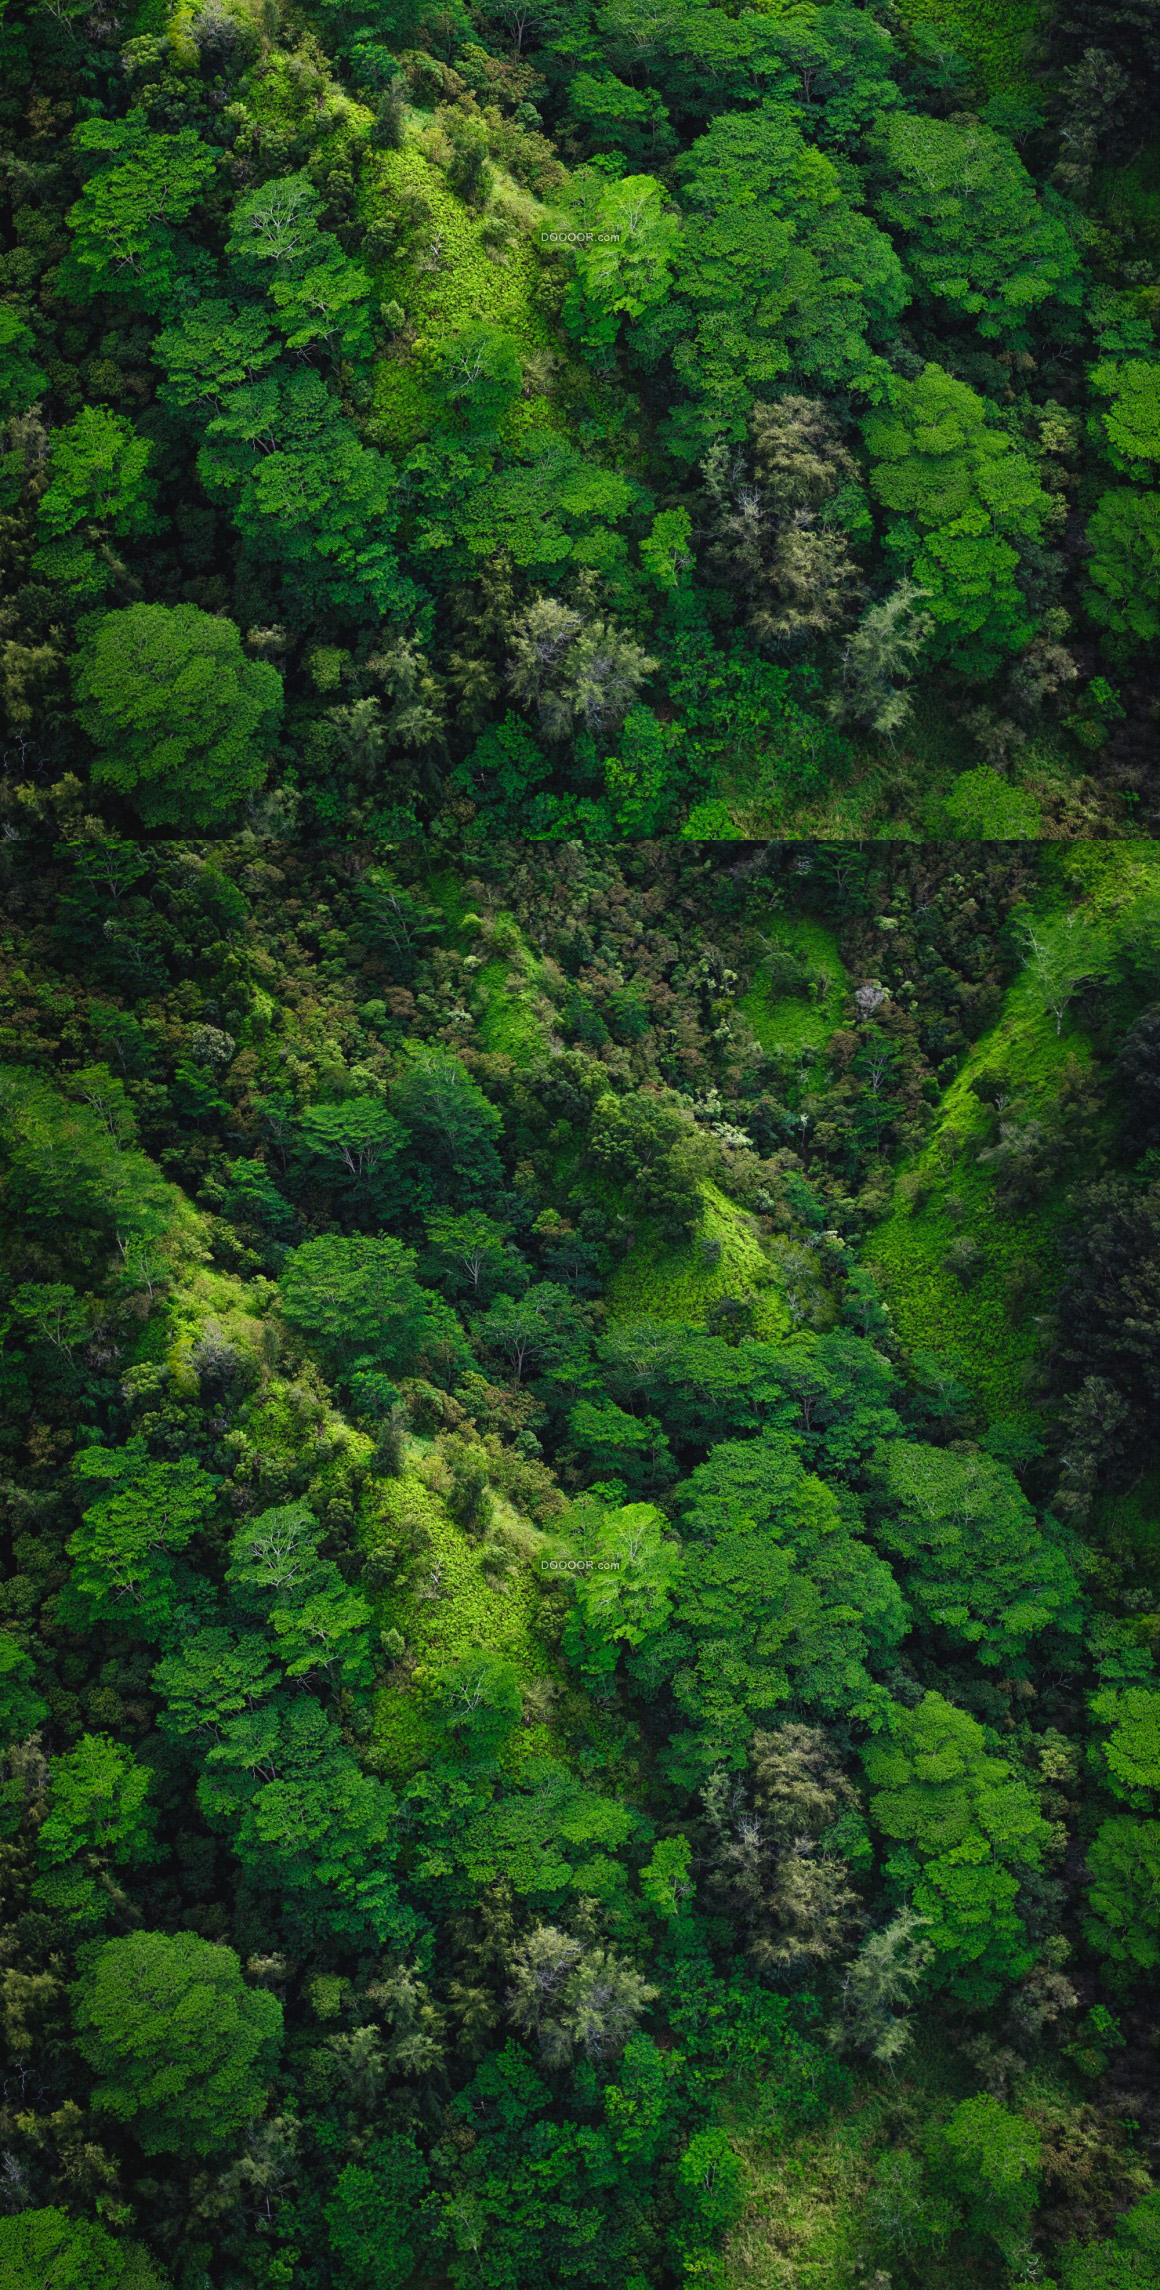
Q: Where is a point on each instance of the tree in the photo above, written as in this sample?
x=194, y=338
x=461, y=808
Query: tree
x=969, y=1827
x=1127, y=2263
x=97, y=488
x=309, y=499
x=966, y=496
x=779, y=1603
x=630, y=1570
x=1129, y=429
x=543, y=1331
x=124, y=1548
x=572, y=671
x=781, y=278
x=99, y=1818
x=359, y=1303
x=991, y=2157
x=376, y=2218
x=21, y=1707
x=574, y=1999
x=480, y=373
x=21, y=379
x=212, y=349
x=212, y=1677
x=122, y=224
x=975, y=1561
x=1124, y=564
x=182, y=2049
x=360, y=1142
x=974, y=234
x=48, y=2250
x=711, y=2184
x=770, y=538
x=650, y=1148
x=182, y=722
x=1123, y=1919
x=624, y=241
x=879, y=1982
x=878, y=661
x=452, y=1129
x=1131, y=1754
x=473, y=1255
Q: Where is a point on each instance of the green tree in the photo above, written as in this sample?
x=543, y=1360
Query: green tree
x=359, y=1303
x=21, y=1707
x=540, y=1332
x=97, y=488
x=1124, y=565
x=48, y=2250
x=1131, y=1754
x=124, y=1548
x=212, y=349
x=376, y=2218
x=968, y=1827
x=309, y=499
x=975, y=1561
x=711, y=2185
x=623, y=1596
x=360, y=1142
x=781, y=279
x=182, y=722
x=665, y=1881
x=974, y=234
x=212, y=1677
x=625, y=243
x=965, y=496
x=122, y=224
x=99, y=1819
x=991, y=2157
x=452, y=1128
x=480, y=373
x=182, y=2049
x=1129, y=429
x=649, y=1147
x=780, y=1603
x=1123, y=1920
x=473, y=1256
x=1130, y=2262
x=21, y=379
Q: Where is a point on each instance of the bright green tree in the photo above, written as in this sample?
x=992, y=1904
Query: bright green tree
x=965, y=1827
x=626, y=242
x=211, y=349
x=630, y=1568
x=780, y=1603
x=21, y=1707
x=182, y=722
x=123, y=223
x=182, y=2049
x=212, y=1677
x=991, y=2157
x=1123, y=1920
x=21, y=379
x=375, y=2220
x=48, y=2250
x=99, y=1819
x=1131, y=1754
x=124, y=1548
x=965, y=496
x=975, y=236
x=1128, y=429
x=975, y=1561
x=98, y=488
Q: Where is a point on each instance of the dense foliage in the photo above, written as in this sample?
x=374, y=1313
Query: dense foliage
x=540, y=1708
x=555, y=417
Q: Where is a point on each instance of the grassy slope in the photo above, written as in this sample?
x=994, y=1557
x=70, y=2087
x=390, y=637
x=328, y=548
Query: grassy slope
x=989, y=1329
x=659, y=1281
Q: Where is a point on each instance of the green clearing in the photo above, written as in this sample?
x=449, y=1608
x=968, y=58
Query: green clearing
x=988, y=1328
x=796, y=1021
x=464, y=1598
x=660, y=1281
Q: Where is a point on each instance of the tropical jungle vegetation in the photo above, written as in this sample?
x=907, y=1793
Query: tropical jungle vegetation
x=582, y=418
x=581, y=1503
